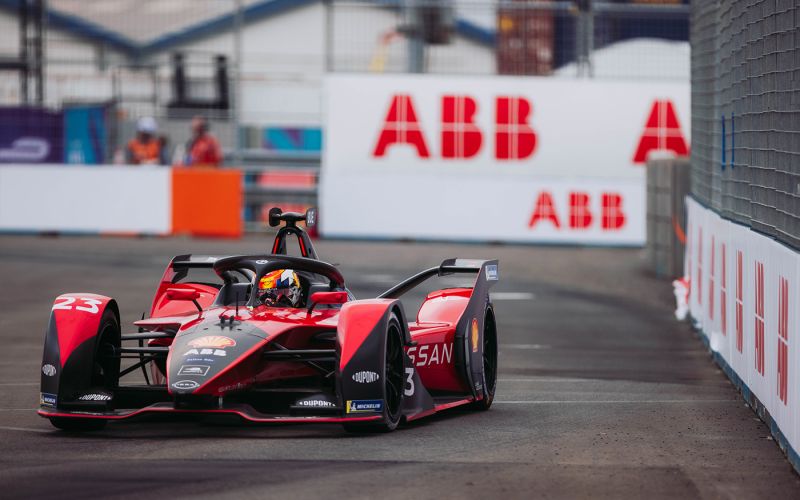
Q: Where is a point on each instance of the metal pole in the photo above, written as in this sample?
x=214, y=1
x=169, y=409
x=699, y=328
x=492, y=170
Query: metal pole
x=40, y=47
x=24, y=55
x=590, y=39
x=416, y=46
x=237, y=82
x=328, y=36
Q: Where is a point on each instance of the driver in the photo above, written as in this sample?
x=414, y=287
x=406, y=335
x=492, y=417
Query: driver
x=280, y=288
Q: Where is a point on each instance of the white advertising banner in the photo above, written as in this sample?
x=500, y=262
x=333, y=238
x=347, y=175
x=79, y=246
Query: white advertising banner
x=112, y=199
x=748, y=309
x=476, y=158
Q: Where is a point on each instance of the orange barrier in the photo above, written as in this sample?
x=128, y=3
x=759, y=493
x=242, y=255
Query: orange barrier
x=207, y=202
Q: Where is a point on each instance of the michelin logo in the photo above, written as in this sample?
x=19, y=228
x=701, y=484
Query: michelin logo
x=364, y=406
x=46, y=399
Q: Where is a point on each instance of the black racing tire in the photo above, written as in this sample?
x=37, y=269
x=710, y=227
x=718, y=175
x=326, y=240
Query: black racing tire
x=393, y=384
x=489, y=362
x=106, y=365
x=70, y=424
x=104, y=375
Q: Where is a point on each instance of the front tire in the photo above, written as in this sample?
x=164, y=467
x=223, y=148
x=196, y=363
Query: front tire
x=393, y=383
x=104, y=374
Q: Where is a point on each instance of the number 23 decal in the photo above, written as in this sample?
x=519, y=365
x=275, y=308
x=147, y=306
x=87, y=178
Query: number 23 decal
x=409, y=388
x=83, y=304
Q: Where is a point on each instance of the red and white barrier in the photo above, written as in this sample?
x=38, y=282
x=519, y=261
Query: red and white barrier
x=745, y=298
x=120, y=200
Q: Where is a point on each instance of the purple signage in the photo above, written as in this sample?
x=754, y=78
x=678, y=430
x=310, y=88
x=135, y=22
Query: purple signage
x=31, y=135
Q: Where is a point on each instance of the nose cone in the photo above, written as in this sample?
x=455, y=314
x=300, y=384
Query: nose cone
x=202, y=356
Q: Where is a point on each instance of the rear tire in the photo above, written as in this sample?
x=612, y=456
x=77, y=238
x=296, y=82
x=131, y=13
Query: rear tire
x=78, y=424
x=489, y=363
x=393, y=384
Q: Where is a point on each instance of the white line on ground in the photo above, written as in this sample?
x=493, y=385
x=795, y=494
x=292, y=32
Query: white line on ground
x=615, y=402
x=23, y=429
x=512, y=296
x=524, y=346
x=546, y=380
x=379, y=278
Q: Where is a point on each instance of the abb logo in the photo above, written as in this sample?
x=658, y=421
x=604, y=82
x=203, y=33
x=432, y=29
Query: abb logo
x=461, y=138
x=783, y=340
x=759, y=317
x=580, y=215
x=739, y=310
x=662, y=132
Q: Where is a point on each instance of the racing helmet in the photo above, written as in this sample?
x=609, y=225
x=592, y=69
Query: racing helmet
x=280, y=288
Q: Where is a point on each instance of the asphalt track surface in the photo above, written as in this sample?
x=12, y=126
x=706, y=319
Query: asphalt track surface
x=601, y=393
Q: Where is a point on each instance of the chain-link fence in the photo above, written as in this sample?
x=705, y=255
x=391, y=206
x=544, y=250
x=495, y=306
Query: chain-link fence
x=746, y=112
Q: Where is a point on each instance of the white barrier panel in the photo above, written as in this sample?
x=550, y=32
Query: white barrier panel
x=745, y=296
x=85, y=199
x=476, y=154
x=555, y=211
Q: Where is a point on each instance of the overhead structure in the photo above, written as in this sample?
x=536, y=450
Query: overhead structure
x=29, y=62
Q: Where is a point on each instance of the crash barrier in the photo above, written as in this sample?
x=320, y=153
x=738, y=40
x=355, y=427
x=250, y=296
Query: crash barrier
x=667, y=187
x=744, y=298
x=496, y=158
x=121, y=200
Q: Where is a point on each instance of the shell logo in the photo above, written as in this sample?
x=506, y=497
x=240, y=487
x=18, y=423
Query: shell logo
x=212, y=341
x=474, y=335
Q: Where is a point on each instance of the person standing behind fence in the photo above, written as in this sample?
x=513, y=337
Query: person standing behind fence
x=203, y=149
x=146, y=148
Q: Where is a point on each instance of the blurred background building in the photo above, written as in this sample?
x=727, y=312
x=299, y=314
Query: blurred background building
x=93, y=68
x=172, y=58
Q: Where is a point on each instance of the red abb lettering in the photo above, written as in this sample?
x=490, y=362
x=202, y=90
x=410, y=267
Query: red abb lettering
x=580, y=216
x=514, y=138
x=662, y=132
x=544, y=210
x=461, y=138
x=613, y=216
x=401, y=127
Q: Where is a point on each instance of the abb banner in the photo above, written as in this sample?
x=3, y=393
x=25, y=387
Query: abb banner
x=498, y=158
x=745, y=296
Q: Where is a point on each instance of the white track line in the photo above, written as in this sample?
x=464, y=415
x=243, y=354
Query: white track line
x=24, y=429
x=512, y=296
x=618, y=402
x=524, y=347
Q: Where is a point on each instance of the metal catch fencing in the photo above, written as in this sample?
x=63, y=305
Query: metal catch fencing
x=746, y=113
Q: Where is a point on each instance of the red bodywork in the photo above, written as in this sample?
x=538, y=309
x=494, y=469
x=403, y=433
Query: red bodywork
x=212, y=351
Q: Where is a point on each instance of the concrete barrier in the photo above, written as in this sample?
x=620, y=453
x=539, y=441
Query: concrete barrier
x=667, y=187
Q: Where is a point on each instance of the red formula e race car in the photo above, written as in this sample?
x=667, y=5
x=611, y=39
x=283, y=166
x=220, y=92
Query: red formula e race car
x=276, y=339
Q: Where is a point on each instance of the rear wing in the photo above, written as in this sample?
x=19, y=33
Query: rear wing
x=181, y=264
x=488, y=271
